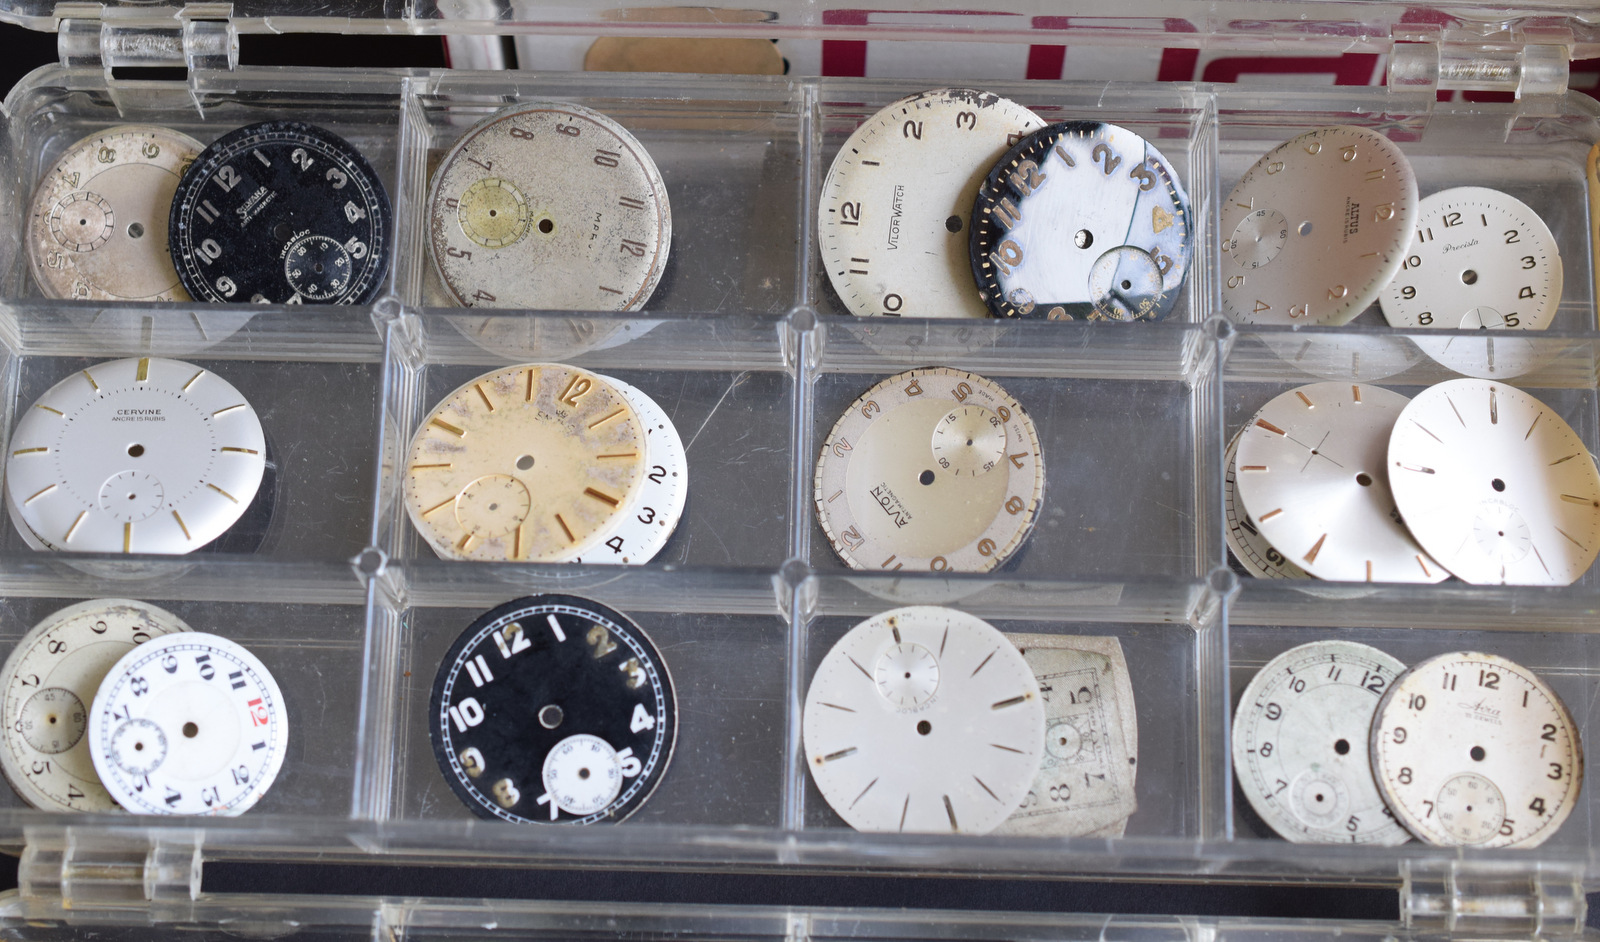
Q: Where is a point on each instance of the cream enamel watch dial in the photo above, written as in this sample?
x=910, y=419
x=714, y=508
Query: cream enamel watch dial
x=142, y=455
x=549, y=205
x=529, y=463
x=1479, y=259
x=934, y=469
x=1244, y=538
x=190, y=724
x=1311, y=474
x=98, y=228
x=644, y=527
x=48, y=684
x=895, y=211
x=1316, y=228
x=924, y=719
x=1300, y=744
x=1473, y=749
x=1495, y=485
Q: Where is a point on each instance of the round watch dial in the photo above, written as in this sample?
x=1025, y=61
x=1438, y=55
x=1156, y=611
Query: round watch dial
x=644, y=527
x=188, y=723
x=1081, y=220
x=281, y=213
x=1479, y=259
x=924, y=719
x=893, y=219
x=530, y=463
x=933, y=469
x=1300, y=744
x=553, y=709
x=1494, y=484
x=1258, y=557
x=98, y=225
x=142, y=455
x=48, y=684
x=1316, y=228
x=1474, y=749
x=549, y=205
x=1311, y=472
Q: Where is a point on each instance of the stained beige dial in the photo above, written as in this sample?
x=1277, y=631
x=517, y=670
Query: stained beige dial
x=933, y=469
x=529, y=463
x=98, y=228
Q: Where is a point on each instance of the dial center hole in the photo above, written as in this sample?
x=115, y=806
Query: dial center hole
x=926, y=477
x=546, y=226
x=924, y=727
x=525, y=462
x=135, y=450
x=551, y=716
x=953, y=223
x=1365, y=480
x=317, y=268
x=1318, y=796
x=1342, y=747
x=190, y=730
x=1477, y=753
x=1083, y=238
x=1469, y=277
x=135, y=230
x=1304, y=228
x=1498, y=484
x=138, y=747
x=1126, y=284
x=583, y=773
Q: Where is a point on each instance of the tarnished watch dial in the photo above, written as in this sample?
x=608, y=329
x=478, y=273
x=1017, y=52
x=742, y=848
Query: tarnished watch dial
x=893, y=219
x=1316, y=228
x=549, y=205
x=98, y=225
x=930, y=470
x=1081, y=220
x=528, y=463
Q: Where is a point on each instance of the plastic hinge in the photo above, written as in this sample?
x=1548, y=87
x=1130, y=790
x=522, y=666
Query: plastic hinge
x=87, y=876
x=186, y=42
x=1527, y=63
x=1479, y=899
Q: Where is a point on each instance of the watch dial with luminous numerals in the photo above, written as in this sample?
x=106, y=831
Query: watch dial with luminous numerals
x=549, y=205
x=1473, y=749
x=895, y=211
x=1081, y=220
x=553, y=710
x=281, y=212
x=1316, y=228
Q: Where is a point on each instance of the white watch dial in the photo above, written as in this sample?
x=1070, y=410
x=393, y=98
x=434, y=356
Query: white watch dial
x=1316, y=228
x=1496, y=485
x=1300, y=744
x=1259, y=557
x=1473, y=749
x=1311, y=472
x=645, y=526
x=894, y=215
x=923, y=719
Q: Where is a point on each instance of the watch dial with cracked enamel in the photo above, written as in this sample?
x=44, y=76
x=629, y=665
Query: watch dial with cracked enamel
x=553, y=709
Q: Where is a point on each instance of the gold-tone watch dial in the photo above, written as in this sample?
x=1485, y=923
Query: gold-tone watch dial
x=529, y=463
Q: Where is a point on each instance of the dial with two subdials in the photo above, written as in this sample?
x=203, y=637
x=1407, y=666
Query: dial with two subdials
x=49, y=682
x=281, y=212
x=1474, y=749
x=1258, y=557
x=1479, y=259
x=549, y=205
x=1300, y=744
x=530, y=463
x=930, y=470
x=923, y=719
x=1081, y=220
x=553, y=709
x=647, y=524
x=893, y=219
x=143, y=455
x=188, y=723
x=1311, y=472
x=98, y=224
x=1316, y=228
x=1496, y=485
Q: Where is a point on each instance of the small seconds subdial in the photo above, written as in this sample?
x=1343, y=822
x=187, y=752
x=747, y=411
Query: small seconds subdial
x=970, y=440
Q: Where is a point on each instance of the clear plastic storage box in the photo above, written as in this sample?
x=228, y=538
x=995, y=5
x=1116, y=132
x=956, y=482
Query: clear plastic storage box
x=748, y=350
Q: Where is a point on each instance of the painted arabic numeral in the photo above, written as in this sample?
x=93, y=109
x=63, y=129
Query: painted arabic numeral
x=352, y=212
x=1015, y=505
x=1411, y=262
x=912, y=129
x=56, y=646
x=356, y=248
x=641, y=720
x=986, y=547
x=1526, y=292
x=1298, y=685
x=1417, y=702
x=850, y=214
x=1425, y=318
x=1408, y=292
x=1399, y=734
x=466, y=714
x=1147, y=180
x=1555, y=771
x=487, y=165
x=1405, y=775
x=961, y=391
x=1537, y=806
x=203, y=665
x=300, y=158
x=570, y=130
x=336, y=177
x=1527, y=261
x=600, y=640
x=1489, y=680
x=1430, y=808
x=606, y=158
x=173, y=796
x=852, y=538
x=241, y=775
x=657, y=474
x=648, y=519
x=1512, y=320
x=139, y=686
x=1027, y=177
x=1265, y=749
x=1452, y=219
x=1507, y=827
x=522, y=134
x=226, y=287
x=1274, y=712
x=227, y=178
x=73, y=179
x=577, y=388
x=1512, y=237
x=630, y=247
x=1549, y=733
x=210, y=795
x=72, y=791
x=1104, y=154
x=1353, y=825
x=1236, y=281
x=967, y=120
x=631, y=766
x=482, y=295
x=615, y=545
